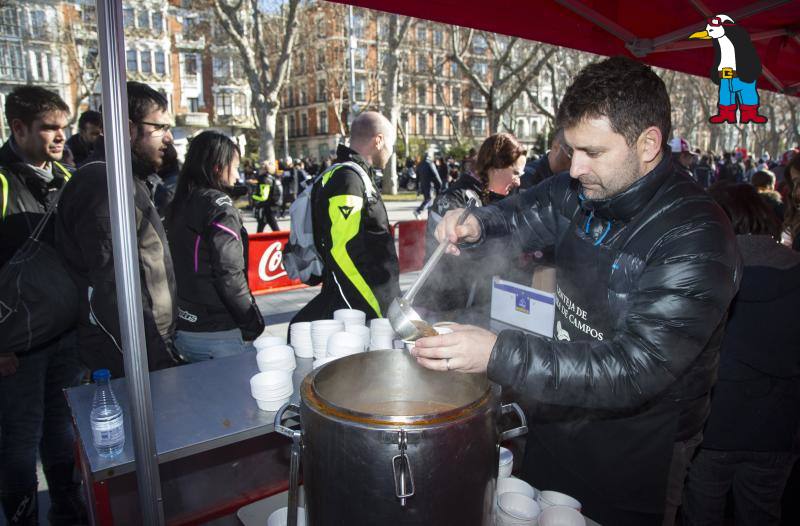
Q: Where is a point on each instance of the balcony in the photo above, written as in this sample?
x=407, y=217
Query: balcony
x=187, y=42
x=197, y=119
x=236, y=121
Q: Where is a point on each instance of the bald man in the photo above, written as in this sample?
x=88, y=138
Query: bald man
x=351, y=228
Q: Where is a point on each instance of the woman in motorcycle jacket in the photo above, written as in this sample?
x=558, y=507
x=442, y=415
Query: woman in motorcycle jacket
x=458, y=284
x=217, y=314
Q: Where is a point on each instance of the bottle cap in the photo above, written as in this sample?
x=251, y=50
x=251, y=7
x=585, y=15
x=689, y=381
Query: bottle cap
x=101, y=374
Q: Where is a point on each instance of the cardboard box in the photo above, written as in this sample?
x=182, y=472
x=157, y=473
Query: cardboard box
x=525, y=307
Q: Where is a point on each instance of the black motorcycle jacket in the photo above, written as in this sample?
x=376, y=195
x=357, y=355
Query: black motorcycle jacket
x=209, y=250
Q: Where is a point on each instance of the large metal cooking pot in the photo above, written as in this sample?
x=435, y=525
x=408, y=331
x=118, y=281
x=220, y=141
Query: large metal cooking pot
x=386, y=441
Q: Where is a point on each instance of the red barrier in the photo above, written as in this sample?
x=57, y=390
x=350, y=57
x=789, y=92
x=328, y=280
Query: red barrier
x=265, y=272
x=411, y=244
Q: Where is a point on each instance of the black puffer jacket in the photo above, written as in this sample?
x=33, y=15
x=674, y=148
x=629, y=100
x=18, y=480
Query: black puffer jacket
x=209, y=249
x=676, y=269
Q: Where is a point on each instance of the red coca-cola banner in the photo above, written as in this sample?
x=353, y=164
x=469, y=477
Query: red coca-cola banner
x=265, y=272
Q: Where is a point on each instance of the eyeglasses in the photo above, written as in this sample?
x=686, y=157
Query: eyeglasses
x=717, y=22
x=159, y=128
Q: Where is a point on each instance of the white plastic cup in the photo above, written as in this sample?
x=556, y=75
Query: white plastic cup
x=561, y=516
x=280, y=517
x=265, y=341
x=515, y=485
x=517, y=509
x=280, y=357
x=271, y=405
x=548, y=499
x=350, y=316
x=506, y=463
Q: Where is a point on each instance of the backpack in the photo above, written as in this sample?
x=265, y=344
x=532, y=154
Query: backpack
x=300, y=257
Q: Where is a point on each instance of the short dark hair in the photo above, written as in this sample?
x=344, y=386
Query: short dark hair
x=748, y=213
x=142, y=99
x=625, y=91
x=28, y=103
x=90, y=117
x=763, y=179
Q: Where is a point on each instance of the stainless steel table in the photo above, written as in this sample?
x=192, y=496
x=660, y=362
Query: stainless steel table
x=209, y=432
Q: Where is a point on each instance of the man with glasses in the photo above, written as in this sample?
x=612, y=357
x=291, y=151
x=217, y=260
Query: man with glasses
x=83, y=235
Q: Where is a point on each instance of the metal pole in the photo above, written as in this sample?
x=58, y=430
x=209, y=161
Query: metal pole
x=111, y=39
x=351, y=53
x=285, y=136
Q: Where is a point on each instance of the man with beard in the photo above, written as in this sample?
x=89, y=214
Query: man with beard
x=34, y=416
x=83, y=236
x=647, y=266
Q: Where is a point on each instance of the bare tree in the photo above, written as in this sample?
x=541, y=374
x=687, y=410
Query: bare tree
x=245, y=22
x=508, y=76
x=84, y=65
x=392, y=104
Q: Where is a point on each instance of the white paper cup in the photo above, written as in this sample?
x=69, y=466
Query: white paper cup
x=279, y=357
x=515, y=485
x=350, y=316
x=554, y=498
x=265, y=341
x=561, y=516
x=362, y=332
x=271, y=405
x=506, y=463
x=280, y=517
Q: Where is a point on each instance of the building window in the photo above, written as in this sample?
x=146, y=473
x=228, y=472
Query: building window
x=360, y=55
x=303, y=124
x=438, y=37
x=292, y=127
x=422, y=63
x=455, y=96
x=132, y=64
x=90, y=59
x=323, y=122
x=454, y=69
x=321, y=90
x=479, y=45
x=477, y=99
x=421, y=128
x=383, y=29
x=301, y=95
x=127, y=17
x=361, y=89
x=227, y=103
x=439, y=124
x=145, y=59
x=480, y=68
x=321, y=27
x=290, y=96
x=38, y=24
x=161, y=63
x=422, y=32
x=478, y=125
x=9, y=22
x=158, y=22
x=89, y=14
x=194, y=104
x=421, y=94
x=143, y=19
x=301, y=63
x=221, y=66
x=190, y=65
x=323, y=151
x=358, y=26
x=320, y=59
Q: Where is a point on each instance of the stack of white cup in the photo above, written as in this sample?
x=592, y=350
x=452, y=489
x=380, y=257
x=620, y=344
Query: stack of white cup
x=301, y=339
x=342, y=344
x=267, y=340
x=350, y=317
x=381, y=334
x=280, y=517
x=271, y=389
x=276, y=358
x=320, y=332
x=363, y=332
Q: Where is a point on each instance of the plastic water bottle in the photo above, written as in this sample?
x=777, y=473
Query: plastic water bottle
x=108, y=429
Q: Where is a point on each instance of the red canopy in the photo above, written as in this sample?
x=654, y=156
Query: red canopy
x=654, y=31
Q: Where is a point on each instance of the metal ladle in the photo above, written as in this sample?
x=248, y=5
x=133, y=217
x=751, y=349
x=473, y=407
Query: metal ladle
x=404, y=319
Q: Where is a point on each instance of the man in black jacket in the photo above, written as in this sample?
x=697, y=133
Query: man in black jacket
x=83, y=236
x=90, y=127
x=33, y=412
x=428, y=180
x=647, y=266
x=351, y=228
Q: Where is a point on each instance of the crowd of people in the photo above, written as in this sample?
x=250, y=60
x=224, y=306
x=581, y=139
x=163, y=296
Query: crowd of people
x=673, y=379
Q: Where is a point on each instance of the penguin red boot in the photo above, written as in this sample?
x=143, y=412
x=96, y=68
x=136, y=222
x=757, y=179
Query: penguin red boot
x=726, y=114
x=749, y=113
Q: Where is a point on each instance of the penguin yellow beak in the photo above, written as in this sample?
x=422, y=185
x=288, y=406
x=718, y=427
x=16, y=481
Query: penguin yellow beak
x=701, y=34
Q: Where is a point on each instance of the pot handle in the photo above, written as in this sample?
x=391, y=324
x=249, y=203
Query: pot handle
x=403, y=479
x=517, y=431
x=279, y=418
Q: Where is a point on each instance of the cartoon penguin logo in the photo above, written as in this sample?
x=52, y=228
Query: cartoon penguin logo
x=736, y=69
